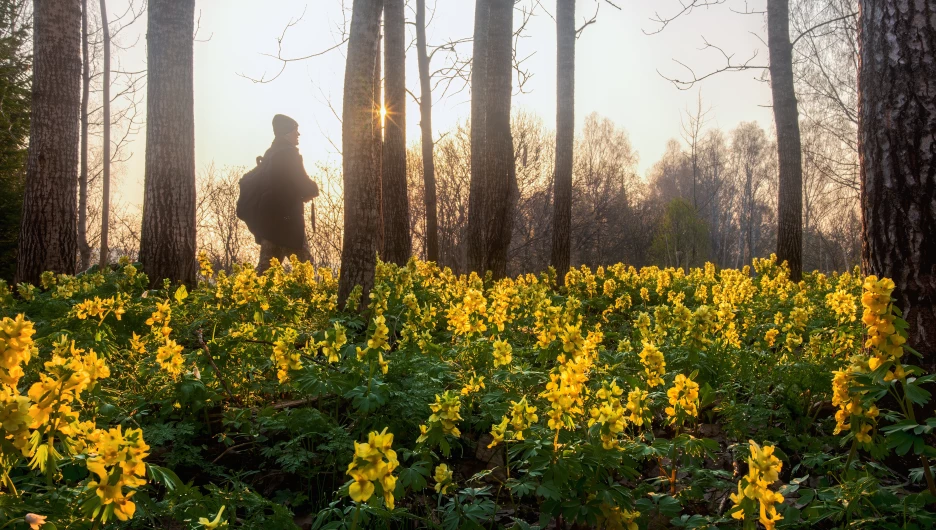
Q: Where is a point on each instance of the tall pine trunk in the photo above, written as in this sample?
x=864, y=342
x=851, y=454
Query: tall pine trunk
x=789, y=148
x=897, y=139
x=105, y=200
x=167, y=242
x=359, y=161
x=493, y=189
x=565, y=137
x=425, y=124
x=48, y=233
x=397, y=244
x=84, y=249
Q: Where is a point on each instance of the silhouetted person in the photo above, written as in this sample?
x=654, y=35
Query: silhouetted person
x=280, y=227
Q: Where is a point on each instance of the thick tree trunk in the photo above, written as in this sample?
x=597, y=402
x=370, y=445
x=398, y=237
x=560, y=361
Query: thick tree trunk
x=105, y=200
x=84, y=249
x=167, y=243
x=359, y=161
x=48, y=233
x=565, y=137
x=379, y=137
x=425, y=124
x=397, y=245
x=897, y=139
x=493, y=190
x=786, y=116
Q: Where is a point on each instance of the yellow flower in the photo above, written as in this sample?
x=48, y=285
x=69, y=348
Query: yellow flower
x=214, y=523
x=34, y=521
x=497, y=432
x=654, y=364
x=443, y=478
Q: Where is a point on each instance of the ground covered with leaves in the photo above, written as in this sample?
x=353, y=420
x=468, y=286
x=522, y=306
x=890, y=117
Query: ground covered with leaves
x=625, y=398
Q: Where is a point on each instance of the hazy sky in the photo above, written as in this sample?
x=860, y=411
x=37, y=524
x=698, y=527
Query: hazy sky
x=616, y=74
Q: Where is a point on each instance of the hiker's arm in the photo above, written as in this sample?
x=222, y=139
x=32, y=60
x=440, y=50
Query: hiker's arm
x=302, y=185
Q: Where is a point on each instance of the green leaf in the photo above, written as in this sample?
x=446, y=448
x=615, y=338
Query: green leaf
x=181, y=294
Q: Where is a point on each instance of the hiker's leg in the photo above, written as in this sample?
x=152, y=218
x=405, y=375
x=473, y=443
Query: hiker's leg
x=268, y=251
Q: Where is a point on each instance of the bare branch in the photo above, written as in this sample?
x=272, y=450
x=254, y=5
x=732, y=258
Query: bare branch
x=687, y=7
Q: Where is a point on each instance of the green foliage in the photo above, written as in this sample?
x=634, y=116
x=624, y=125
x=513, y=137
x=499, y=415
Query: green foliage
x=275, y=388
x=15, y=97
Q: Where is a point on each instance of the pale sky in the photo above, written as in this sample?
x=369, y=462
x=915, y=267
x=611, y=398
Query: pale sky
x=616, y=74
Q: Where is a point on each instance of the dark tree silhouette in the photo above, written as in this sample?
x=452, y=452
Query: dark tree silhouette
x=397, y=243
x=493, y=191
x=167, y=242
x=359, y=161
x=48, y=233
x=565, y=137
x=789, y=148
x=425, y=124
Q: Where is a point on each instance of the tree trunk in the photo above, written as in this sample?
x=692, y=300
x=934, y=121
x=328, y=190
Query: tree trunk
x=48, y=233
x=167, y=242
x=897, y=114
x=397, y=244
x=378, y=136
x=105, y=200
x=359, y=161
x=84, y=249
x=565, y=138
x=789, y=149
x=493, y=190
x=425, y=124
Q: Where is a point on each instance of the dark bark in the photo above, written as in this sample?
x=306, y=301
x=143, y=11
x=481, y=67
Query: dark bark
x=378, y=135
x=897, y=148
x=425, y=124
x=397, y=244
x=565, y=137
x=359, y=161
x=789, y=148
x=84, y=248
x=493, y=190
x=48, y=233
x=105, y=200
x=167, y=242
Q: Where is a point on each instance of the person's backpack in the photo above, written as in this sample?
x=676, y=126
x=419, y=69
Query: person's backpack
x=252, y=187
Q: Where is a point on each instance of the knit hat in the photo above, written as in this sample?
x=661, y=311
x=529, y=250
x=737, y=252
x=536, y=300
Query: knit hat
x=283, y=124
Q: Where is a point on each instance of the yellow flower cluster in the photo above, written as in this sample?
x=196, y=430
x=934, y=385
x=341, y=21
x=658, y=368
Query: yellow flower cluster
x=654, y=364
x=842, y=303
x=614, y=518
x=475, y=384
x=335, y=339
x=522, y=416
x=373, y=463
x=764, y=471
x=169, y=357
x=16, y=348
x=445, y=415
x=502, y=353
x=566, y=387
x=101, y=308
x=285, y=354
x=639, y=407
x=377, y=342
x=467, y=317
x=443, y=478
x=116, y=457
x=885, y=343
x=683, y=398
x=610, y=414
